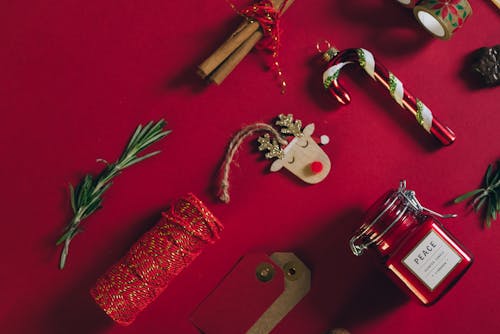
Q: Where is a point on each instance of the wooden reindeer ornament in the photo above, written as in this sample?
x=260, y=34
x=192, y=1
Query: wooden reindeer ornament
x=293, y=148
x=301, y=156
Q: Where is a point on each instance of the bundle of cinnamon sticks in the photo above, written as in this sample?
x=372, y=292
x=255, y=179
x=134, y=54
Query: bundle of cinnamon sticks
x=222, y=62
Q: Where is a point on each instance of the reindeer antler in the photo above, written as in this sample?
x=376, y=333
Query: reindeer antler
x=275, y=150
x=289, y=126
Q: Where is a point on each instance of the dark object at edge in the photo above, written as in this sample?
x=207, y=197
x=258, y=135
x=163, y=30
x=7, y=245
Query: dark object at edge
x=487, y=64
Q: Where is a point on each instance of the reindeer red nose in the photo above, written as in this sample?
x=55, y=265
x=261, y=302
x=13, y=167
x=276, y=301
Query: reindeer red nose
x=316, y=167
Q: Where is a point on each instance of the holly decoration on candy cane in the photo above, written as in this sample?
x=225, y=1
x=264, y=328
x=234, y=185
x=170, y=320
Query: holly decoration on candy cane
x=337, y=60
x=293, y=149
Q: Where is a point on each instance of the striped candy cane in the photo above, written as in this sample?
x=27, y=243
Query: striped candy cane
x=337, y=60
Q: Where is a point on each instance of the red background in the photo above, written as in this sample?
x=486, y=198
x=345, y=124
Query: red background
x=78, y=76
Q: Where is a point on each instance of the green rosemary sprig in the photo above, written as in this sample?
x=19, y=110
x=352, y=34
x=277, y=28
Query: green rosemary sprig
x=86, y=198
x=488, y=196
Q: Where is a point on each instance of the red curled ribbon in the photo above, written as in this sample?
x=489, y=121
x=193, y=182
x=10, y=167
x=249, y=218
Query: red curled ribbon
x=269, y=19
x=162, y=253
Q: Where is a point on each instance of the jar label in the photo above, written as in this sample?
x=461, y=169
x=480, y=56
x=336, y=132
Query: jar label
x=432, y=260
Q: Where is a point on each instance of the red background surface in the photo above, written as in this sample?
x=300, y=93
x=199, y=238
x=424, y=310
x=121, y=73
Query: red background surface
x=78, y=76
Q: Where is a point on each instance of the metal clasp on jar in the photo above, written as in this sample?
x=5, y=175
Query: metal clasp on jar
x=366, y=236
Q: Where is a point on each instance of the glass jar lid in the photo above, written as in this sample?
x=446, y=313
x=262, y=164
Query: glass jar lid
x=402, y=202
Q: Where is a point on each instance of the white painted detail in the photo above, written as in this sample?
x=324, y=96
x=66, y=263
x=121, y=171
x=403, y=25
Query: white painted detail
x=399, y=92
x=369, y=63
x=331, y=70
x=427, y=117
x=432, y=260
x=324, y=139
x=431, y=23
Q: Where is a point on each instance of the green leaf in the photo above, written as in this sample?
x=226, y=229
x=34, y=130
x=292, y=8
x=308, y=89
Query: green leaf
x=92, y=207
x=494, y=202
x=102, y=190
x=158, y=127
x=132, y=140
x=137, y=160
x=86, y=197
x=63, y=238
x=487, y=197
x=144, y=132
x=64, y=256
x=84, y=190
x=487, y=176
x=72, y=198
x=494, y=182
x=467, y=195
x=480, y=203
x=491, y=212
x=149, y=141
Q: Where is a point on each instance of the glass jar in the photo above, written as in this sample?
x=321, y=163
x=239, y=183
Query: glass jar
x=420, y=255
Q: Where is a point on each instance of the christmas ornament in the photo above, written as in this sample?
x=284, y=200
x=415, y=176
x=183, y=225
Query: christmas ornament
x=86, y=198
x=300, y=154
x=440, y=17
x=488, y=196
x=161, y=254
x=420, y=255
x=487, y=65
x=338, y=59
x=262, y=26
x=271, y=286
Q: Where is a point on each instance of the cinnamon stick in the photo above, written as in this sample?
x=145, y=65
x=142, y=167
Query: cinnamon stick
x=242, y=33
x=234, y=49
x=235, y=58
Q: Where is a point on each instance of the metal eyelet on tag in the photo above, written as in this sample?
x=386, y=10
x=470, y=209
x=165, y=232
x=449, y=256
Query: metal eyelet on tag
x=264, y=272
x=270, y=285
x=292, y=270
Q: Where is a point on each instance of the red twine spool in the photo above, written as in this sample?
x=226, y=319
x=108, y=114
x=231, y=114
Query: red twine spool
x=163, y=252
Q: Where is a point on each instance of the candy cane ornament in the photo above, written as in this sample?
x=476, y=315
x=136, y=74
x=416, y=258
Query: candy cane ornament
x=338, y=59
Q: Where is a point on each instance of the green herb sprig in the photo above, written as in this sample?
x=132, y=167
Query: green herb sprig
x=86, y=198
x=488, y=196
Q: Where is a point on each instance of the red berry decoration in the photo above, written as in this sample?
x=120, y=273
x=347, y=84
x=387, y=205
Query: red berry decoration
x=316, y=167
